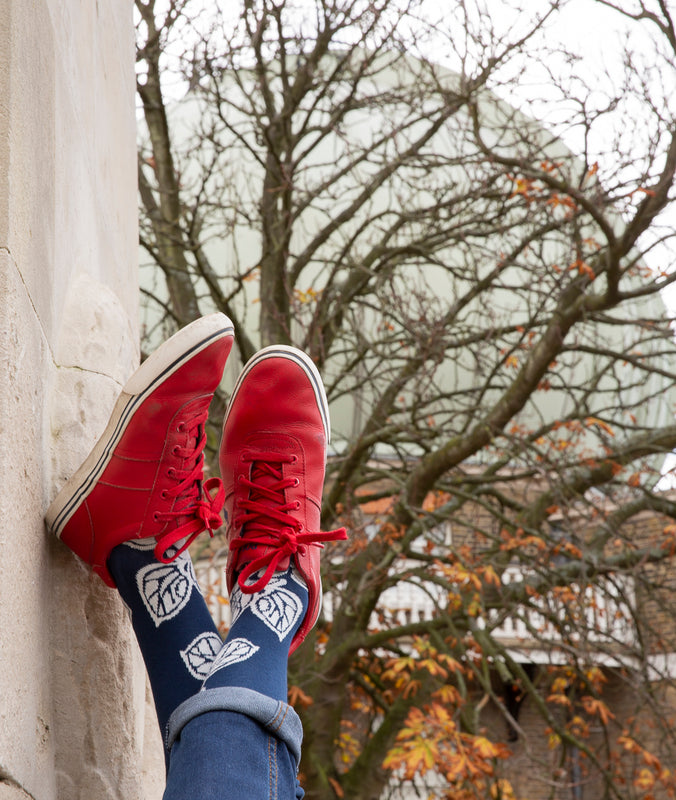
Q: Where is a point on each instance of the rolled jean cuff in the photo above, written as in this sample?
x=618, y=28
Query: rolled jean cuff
x=277, y=717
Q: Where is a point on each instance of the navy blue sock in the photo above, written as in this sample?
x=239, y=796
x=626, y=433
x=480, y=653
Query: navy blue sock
x=173, y=626
x=256, y=649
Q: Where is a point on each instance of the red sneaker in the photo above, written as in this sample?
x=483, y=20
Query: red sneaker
x=273, y=456
x=144, y=476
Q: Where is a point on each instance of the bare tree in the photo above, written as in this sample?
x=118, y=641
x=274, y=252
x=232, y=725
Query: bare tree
x=390, y=191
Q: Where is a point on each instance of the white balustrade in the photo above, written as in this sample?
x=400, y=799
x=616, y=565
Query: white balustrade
x=596, y=614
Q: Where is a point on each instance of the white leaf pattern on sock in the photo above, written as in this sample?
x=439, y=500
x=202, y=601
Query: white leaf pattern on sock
x=279, y=609
x=166, y=588
x=141, y=544
x=201, y=653
x=234, y=652
x=149, y=543
x=239, y=602
x=276, y=606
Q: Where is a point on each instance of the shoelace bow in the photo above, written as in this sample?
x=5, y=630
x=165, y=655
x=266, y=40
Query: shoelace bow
x=270, y=523
x=199, y=502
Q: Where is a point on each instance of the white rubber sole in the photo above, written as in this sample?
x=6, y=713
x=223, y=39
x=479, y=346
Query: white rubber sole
x=159, y=366
x=306, y=364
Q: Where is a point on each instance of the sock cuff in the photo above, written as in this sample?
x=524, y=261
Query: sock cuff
x=274, y=715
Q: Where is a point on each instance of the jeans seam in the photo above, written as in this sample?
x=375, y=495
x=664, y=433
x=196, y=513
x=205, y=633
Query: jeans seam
x=272, y=764
x=275, y=726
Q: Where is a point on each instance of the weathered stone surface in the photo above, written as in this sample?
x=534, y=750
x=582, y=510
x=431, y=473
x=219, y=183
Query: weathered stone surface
x=26, y=579
x=9, y=792
x=153, y=752
x=97, y=741
x=72, y=683
x=94, y=355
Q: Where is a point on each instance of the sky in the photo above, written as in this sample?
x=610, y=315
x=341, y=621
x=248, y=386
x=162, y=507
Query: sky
x=593, y=31
x=587, y=27
x=597, y=34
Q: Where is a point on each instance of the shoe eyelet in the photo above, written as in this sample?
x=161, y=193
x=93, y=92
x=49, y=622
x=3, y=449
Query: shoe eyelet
x=297, y=505
x=296, y=481
x=294, y=459
x=171, y=472
x=163, y=494
x=174, y=450
x=156, y=516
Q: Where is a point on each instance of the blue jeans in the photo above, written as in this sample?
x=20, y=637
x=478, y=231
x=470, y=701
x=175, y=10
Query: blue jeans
x=233, y=744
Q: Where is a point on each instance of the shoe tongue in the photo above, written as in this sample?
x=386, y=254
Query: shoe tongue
x=266, y=476
x=192, y=492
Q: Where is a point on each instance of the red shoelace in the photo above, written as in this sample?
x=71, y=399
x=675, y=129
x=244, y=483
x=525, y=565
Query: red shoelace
x=269, y=521
x=198, y=502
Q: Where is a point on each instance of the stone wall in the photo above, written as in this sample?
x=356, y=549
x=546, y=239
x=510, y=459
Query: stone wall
x=72, y=684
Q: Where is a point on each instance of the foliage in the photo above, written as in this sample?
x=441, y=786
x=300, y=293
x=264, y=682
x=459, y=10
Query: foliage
x=499, y=363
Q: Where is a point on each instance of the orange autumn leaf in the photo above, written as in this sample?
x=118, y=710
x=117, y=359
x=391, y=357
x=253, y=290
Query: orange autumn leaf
x=410, y=689
x=553, y=740
x=645, y=780
x=634, y=479
x=490, y=576
x=652, y=761
x=559, y=700
x=297, y=697
x=629, y=744
x=451, y=663
x=461, y=767
x=599, y=423
x=596, y=707
x=485, y=748
x=414, y=758
x=448, y=695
